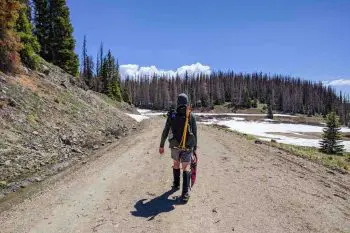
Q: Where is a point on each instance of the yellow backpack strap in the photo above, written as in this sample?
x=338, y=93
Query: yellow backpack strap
x=184, y=135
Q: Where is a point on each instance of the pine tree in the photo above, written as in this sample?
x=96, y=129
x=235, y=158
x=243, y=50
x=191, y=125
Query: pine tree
x=246, y=99
x=127, y=85
x=84, y=57
x=332, y=136
x=90, y=68
x=99, y=63
x=61, y=41
x=42, y=26
x=9, y=40
x=270, y=104
x=106, y=72
x=87, y=64
x=54, y=32
x=110, y=78
x=269, y=111
x=126, y=96
x=30, y=45
x=254, y=103
x=116, y=92
x=104, y=76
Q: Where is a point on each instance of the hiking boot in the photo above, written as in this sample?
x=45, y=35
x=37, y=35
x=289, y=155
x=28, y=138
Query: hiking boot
x=186, y=197
x=176, y=183
x=186, y=185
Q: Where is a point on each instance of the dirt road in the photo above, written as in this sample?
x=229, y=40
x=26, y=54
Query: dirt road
x=241, y=187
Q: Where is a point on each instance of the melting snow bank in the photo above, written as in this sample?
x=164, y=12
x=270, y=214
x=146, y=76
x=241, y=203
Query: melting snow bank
x=144, y=114
x=239, y=114
x=148, y=112
x=143, y=111
x=265, y=130
x=138, y=118
x=154, y=114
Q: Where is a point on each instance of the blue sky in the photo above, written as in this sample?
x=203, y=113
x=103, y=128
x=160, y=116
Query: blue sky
x=304, y=38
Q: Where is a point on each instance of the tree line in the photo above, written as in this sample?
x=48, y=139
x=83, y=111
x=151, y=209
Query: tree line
x=278, y=92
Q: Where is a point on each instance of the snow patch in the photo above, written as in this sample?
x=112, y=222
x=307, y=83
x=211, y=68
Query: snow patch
x=155, y=114
x=143, y=111
x=269, y=120
x=148, y=112
x=138, y=118
x=238, y=118
x=266, y=130
x=239, y=114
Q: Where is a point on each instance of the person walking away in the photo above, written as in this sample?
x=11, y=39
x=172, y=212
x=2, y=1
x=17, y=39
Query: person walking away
x=181, y=128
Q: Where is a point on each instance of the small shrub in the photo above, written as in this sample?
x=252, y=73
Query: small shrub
x=32, y=118
x=254, y=103
x=332, y=136
x=269, y=112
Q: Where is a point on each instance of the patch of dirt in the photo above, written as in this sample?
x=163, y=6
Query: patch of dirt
x=27, y=82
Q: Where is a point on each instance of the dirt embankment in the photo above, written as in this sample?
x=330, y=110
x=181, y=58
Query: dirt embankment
x=240, y=187
x=47, y=122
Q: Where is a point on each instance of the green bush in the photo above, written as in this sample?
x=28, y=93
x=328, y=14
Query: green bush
x=331, y=143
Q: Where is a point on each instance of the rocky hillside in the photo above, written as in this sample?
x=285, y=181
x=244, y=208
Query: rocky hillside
x=48, y=121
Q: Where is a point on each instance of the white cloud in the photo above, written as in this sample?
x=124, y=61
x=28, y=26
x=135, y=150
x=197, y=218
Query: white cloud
x=339, y=82
x=193, y=69
x=133, y=70
x=128, y=70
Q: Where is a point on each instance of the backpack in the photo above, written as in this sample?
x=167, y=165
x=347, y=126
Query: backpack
x=177, y=119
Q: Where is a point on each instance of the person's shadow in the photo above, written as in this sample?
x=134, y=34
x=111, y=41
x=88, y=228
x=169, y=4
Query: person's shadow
x=160, y=204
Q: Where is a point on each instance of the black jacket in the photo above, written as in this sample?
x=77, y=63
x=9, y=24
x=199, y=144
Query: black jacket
x=168, y=127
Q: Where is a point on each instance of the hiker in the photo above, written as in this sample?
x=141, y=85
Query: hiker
x=182, y=141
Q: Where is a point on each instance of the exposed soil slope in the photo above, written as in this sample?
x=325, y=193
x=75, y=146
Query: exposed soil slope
x=48, y=122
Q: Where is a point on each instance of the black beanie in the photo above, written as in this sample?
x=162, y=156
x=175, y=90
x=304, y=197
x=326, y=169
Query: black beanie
x=182, y=99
